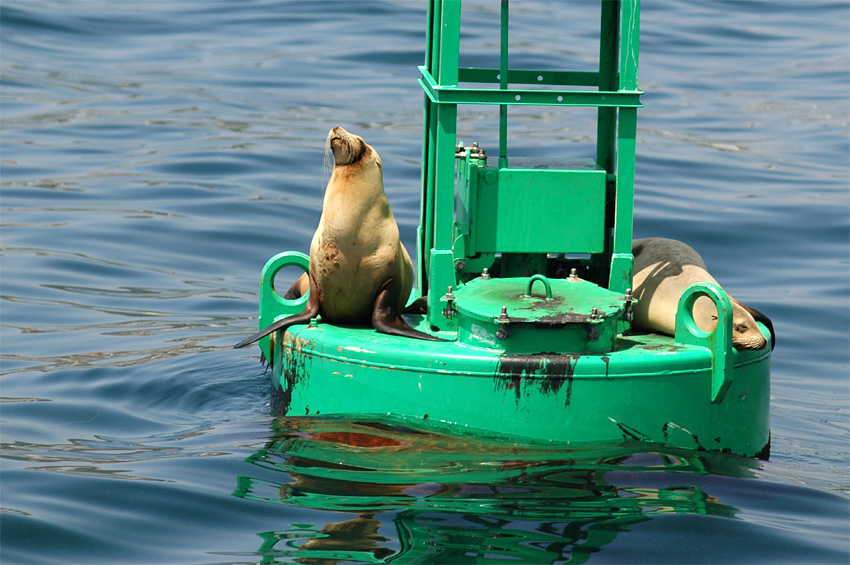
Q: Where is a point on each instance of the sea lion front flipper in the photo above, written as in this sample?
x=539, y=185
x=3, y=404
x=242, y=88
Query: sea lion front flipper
x=386, y=318
x=311, y=310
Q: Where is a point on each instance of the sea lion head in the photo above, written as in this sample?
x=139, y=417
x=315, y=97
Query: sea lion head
x=745, y=332
x=348, y=148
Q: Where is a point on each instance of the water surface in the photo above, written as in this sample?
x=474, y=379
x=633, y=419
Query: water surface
x=155, y=154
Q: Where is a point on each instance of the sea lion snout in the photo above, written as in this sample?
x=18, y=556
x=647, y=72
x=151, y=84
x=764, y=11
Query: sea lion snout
x=347, y=148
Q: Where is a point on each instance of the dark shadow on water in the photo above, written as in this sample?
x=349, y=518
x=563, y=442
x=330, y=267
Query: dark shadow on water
x=390, y=493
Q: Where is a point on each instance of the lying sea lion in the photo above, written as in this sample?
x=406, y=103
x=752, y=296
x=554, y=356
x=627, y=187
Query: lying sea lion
x=360, y=271
x=664, y=268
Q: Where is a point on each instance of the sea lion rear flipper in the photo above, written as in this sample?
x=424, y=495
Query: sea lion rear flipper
x=386, y=318
x=418, y=306
x=311, y=310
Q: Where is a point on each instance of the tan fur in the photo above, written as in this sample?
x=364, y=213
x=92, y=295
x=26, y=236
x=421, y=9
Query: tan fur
x=663, y=269
x=356, y=248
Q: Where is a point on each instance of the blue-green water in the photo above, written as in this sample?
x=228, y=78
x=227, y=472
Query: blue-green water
x=155, y=154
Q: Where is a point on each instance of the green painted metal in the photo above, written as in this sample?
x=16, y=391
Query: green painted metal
x=527, y=270
x=528, y=210
x=588, y=211
x=651, y=389
x=719, y=341
x=509, y=316
x=273, y=306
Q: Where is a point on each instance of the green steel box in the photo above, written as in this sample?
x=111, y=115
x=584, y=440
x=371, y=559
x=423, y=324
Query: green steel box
x=517, y=210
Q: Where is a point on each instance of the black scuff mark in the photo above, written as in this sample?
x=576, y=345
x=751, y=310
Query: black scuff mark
x=293, y=369
x=549, y=371
x=764, y=454
x=665, y=429
x=607, y=361
x=509, y=375
x=630, y=433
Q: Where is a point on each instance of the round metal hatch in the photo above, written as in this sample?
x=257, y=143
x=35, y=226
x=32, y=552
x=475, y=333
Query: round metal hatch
x=537, y=314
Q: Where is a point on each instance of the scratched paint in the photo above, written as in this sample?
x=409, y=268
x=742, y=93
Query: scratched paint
x=295, y=370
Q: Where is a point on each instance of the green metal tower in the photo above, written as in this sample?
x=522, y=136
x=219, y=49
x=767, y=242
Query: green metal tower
x=499, y=223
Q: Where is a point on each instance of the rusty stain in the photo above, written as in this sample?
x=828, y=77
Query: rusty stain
x=358, y=439
x=669, y=348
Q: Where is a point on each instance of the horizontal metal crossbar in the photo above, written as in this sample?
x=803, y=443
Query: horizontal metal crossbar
x=549, y=78
x=459, y=95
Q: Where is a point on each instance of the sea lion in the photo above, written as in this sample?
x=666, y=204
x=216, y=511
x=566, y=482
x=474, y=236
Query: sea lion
x=359, y=270
x=663, y=269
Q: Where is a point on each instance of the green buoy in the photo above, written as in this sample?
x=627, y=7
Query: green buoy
x=534, y=301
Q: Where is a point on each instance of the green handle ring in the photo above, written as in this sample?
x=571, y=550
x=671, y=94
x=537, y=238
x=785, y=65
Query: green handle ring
x=546, y=284
x=273, y=267
x=273, y=306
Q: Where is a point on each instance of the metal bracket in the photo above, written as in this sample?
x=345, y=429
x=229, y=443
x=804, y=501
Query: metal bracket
x=719, y=341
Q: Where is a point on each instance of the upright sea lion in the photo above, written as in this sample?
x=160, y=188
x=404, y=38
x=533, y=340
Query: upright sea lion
x=664, y=268
x=360, y=271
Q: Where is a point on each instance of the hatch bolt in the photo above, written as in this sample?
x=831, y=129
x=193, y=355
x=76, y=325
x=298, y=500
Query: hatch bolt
x=630, y=300
x=474, y=152
x=449, y=310
x=504, y=331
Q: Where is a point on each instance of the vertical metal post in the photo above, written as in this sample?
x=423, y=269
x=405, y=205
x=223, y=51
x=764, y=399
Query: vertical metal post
x=503, y=85
x=606, y=127
x=444, y=131
x=621, y=259
x=426, y=207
